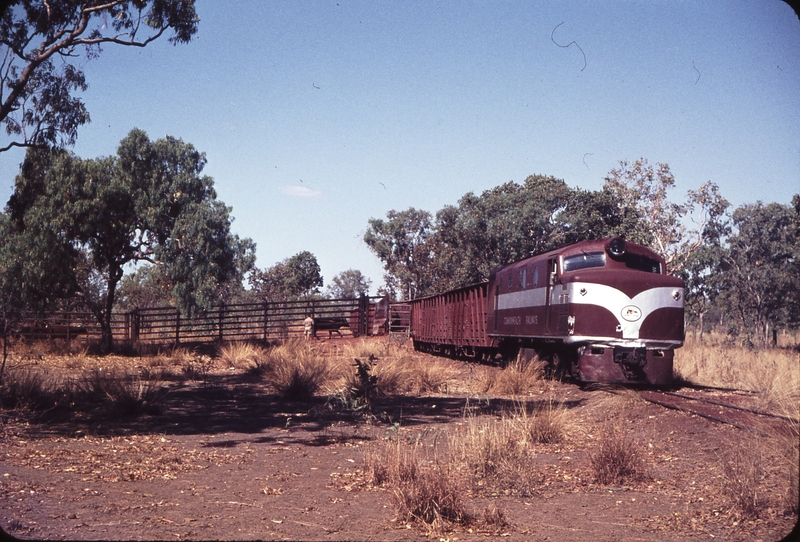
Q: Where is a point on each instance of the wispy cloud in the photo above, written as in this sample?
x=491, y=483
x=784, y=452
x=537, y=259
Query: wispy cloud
x=300, y=192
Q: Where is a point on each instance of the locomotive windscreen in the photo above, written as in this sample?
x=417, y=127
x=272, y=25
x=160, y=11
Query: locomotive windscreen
x=642, y=263
x=584, y=260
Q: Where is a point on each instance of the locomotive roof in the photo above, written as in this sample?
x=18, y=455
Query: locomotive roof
x=592, y=245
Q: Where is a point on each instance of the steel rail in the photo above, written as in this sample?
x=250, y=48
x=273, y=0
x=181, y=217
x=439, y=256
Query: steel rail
x=717, y=388
x=703, y=415
x=735, y=407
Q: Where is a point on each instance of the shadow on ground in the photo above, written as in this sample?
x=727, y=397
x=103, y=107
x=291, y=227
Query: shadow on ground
x=238, y=404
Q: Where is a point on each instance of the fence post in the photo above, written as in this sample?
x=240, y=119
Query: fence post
x=266, y=318
x=177, y=327
x=136, y=324
x=221, y=321
x=363, y=315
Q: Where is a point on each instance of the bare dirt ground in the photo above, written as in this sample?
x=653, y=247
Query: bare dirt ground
x=225, y=459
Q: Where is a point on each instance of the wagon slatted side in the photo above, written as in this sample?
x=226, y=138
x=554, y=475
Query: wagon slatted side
x=456, y=318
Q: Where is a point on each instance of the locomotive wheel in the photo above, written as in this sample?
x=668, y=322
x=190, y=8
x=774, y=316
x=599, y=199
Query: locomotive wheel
x=509, y=353
x=562, y=363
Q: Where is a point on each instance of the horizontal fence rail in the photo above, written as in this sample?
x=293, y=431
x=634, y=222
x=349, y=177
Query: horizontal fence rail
x=266, y=321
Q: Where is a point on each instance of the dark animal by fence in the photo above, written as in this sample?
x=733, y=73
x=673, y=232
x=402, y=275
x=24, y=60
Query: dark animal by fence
x=330, y=324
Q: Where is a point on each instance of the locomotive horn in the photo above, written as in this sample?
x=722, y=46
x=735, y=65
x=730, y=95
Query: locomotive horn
x=616, y=247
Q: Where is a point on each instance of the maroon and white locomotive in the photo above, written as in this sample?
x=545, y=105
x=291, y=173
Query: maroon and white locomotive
x=603, y=311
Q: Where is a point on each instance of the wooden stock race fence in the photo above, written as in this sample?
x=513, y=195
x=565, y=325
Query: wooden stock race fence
x=265, y=321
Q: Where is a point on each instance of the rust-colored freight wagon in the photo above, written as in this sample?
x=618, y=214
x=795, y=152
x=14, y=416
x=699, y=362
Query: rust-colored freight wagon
x=603, y=310
x=453, y=323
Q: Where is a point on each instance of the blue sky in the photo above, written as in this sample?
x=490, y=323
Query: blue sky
x=317, y=116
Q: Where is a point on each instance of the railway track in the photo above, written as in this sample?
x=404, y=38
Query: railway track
x=720, y=405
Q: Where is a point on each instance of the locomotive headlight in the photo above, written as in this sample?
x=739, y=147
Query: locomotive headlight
x=616, y=247
x=676, y=294
x=583, y=291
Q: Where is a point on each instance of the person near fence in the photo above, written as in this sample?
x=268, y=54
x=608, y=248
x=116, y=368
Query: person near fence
x=308, y=328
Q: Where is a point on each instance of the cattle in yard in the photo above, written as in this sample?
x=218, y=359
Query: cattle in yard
x=331, y=324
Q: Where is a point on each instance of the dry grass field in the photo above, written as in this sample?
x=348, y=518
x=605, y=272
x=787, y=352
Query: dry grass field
x=366, y=439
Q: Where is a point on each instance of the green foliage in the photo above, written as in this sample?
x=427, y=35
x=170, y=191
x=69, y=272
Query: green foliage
x=403, y=243
x=365, y=385
x=145, y=287
x=647, y=216
x=483, y=232
x=759, y=269
x=38, y=108
x=349, y=284
x=502, y=225
x=592, y=215
x=76, y=223
x=293, y=278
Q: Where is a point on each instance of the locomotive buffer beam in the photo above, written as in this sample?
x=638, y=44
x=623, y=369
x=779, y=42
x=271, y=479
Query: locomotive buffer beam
x=631, y=361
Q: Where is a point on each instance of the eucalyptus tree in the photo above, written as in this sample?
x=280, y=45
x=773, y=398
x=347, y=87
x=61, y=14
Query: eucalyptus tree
x=403, y=242
x=501, y=225
x=648, y=216
x=758, y=270
x=77, y=224
x=44, y=46
x=296, y=277
x=349, y=284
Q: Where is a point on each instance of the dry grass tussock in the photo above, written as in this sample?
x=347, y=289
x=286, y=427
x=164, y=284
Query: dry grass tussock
x=497, y=454
x=295, y=370
x=519, y=377
x=492, y=458
x=27, y=388
x=125, y=393
x=773, y=373
x=547, y=423
x=743, y=470
x=432, y=375
x=785, y=443
x=618, y=459
x=363, y=349
x=116, y=390
x=424, y=491
x=397, y=370
x=485, y=455
x=240, y=355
